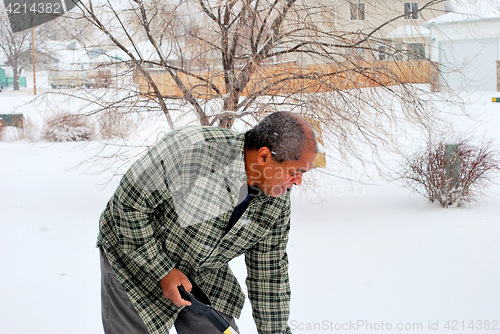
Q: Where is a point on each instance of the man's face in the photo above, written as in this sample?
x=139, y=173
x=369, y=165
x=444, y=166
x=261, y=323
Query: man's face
x=275, y=178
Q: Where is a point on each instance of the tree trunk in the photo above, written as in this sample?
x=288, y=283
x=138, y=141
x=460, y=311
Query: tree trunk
x=226, y=120
x=16, y=77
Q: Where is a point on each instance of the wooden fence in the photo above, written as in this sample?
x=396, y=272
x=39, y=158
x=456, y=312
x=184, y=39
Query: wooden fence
x=290, y=78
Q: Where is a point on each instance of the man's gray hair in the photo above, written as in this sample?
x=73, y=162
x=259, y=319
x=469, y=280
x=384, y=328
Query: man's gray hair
x=285, y=134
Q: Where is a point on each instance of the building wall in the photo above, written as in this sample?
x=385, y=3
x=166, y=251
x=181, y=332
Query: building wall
x=377, y=18
x=467, y=53
x=488, y=28
x=379, y=12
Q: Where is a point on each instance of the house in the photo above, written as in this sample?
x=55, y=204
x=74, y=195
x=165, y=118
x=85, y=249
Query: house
x=466, y=45
x=396, y=25
x=74, y=65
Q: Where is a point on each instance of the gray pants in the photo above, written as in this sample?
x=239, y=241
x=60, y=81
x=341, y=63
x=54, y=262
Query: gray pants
x=120, y=317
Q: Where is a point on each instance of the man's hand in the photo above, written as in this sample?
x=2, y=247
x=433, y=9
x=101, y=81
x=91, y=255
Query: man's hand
x=169, y=286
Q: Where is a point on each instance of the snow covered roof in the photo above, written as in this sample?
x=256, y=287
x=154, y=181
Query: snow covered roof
x=148, y=52
x=70, y=53
x=66, y=52
x=469, y=11
x=409, y=30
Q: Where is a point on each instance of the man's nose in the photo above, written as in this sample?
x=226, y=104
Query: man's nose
x=297, y=179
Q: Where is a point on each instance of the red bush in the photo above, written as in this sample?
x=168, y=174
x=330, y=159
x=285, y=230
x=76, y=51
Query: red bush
x=429, y=172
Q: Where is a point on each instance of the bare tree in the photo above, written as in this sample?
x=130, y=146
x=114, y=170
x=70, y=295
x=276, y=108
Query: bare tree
x=15, y=46
x=253, y=56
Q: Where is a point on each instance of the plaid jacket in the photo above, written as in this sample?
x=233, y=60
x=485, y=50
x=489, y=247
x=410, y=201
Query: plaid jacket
x=171, y=210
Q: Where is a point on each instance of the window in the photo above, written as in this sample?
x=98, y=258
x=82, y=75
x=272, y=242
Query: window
x=416, y=51
x=382, y=54
x=356, y=52
x=398, y=51
x=411, y=10
x=357, y=11
x=359, y=52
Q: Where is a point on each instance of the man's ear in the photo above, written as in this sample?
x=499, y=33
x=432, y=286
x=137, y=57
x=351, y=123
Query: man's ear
x=264, y=156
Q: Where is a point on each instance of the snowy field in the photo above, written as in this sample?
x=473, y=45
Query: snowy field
x=364, y=258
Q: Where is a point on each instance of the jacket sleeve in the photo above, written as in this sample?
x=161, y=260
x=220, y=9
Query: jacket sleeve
x=267, y=279
x=129, y=223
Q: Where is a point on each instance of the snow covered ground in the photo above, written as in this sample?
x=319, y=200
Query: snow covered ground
x=363, y=258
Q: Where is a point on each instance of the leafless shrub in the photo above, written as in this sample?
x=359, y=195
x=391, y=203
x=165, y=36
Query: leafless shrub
x=450, y=174
x=68, y=127
x=115, y=124
x=28, y=131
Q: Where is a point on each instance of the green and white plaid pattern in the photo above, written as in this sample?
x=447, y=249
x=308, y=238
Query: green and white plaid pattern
x=171, y=210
